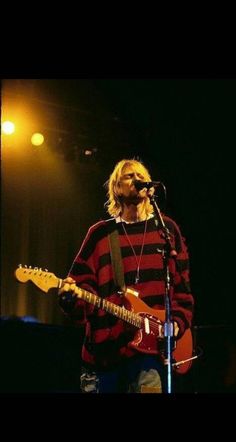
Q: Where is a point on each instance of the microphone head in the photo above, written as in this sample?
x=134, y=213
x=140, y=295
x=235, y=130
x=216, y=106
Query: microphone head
x=139, y=185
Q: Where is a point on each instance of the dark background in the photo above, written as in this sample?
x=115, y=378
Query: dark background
x=183, y=130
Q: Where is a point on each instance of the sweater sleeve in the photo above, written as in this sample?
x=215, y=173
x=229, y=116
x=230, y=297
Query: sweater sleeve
x=182, y=300
x=84, y=273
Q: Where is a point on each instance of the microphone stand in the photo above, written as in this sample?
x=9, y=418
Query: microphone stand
x=168, y=252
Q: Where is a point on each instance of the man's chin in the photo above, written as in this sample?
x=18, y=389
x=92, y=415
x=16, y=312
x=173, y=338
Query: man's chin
x=134, y=199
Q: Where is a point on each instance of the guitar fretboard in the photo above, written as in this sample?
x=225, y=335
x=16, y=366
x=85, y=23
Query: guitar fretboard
x=110, y=307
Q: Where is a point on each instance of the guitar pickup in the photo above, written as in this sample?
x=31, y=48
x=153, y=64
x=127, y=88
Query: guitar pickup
x=146, y=325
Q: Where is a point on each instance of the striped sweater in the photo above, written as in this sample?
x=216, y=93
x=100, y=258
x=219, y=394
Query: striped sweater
x=106, y=337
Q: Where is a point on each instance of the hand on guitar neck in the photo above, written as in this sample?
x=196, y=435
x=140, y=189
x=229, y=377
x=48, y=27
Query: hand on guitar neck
x=68, y=285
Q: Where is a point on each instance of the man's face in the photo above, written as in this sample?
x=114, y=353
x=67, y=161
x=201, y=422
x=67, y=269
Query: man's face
x=126, y=187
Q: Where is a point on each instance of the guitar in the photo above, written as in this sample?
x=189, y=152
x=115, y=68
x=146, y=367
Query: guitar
x=148, y=321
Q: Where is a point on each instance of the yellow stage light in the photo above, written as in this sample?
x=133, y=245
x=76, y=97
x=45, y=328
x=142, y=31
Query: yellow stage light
x=37, y=139
x=8, y=127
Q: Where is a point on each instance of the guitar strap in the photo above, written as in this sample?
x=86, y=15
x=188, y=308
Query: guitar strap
x=116, y=259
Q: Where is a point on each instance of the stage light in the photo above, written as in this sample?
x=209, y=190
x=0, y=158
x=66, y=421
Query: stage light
x=37, y=139
x=8, y=127
x=90, y=152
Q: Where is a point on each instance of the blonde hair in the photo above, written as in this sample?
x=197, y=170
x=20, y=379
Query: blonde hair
x=113, y=204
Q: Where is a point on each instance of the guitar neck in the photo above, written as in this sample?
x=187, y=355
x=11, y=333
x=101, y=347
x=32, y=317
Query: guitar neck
x=110, y=307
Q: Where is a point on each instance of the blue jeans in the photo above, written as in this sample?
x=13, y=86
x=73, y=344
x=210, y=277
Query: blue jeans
x=139, y=374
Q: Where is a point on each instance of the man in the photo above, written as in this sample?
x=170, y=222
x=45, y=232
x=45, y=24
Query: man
x=113, y=360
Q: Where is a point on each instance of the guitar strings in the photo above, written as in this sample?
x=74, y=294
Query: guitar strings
x=154, y=324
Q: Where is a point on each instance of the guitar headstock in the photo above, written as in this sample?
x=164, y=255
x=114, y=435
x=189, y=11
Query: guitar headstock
x=42, y=279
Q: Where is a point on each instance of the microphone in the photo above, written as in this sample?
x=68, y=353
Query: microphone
x=139, y=185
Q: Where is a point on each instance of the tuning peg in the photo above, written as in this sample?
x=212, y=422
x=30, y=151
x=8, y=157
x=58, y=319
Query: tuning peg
x=46, y=270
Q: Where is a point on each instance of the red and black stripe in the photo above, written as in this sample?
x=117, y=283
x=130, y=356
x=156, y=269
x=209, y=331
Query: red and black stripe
x=107, y=336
